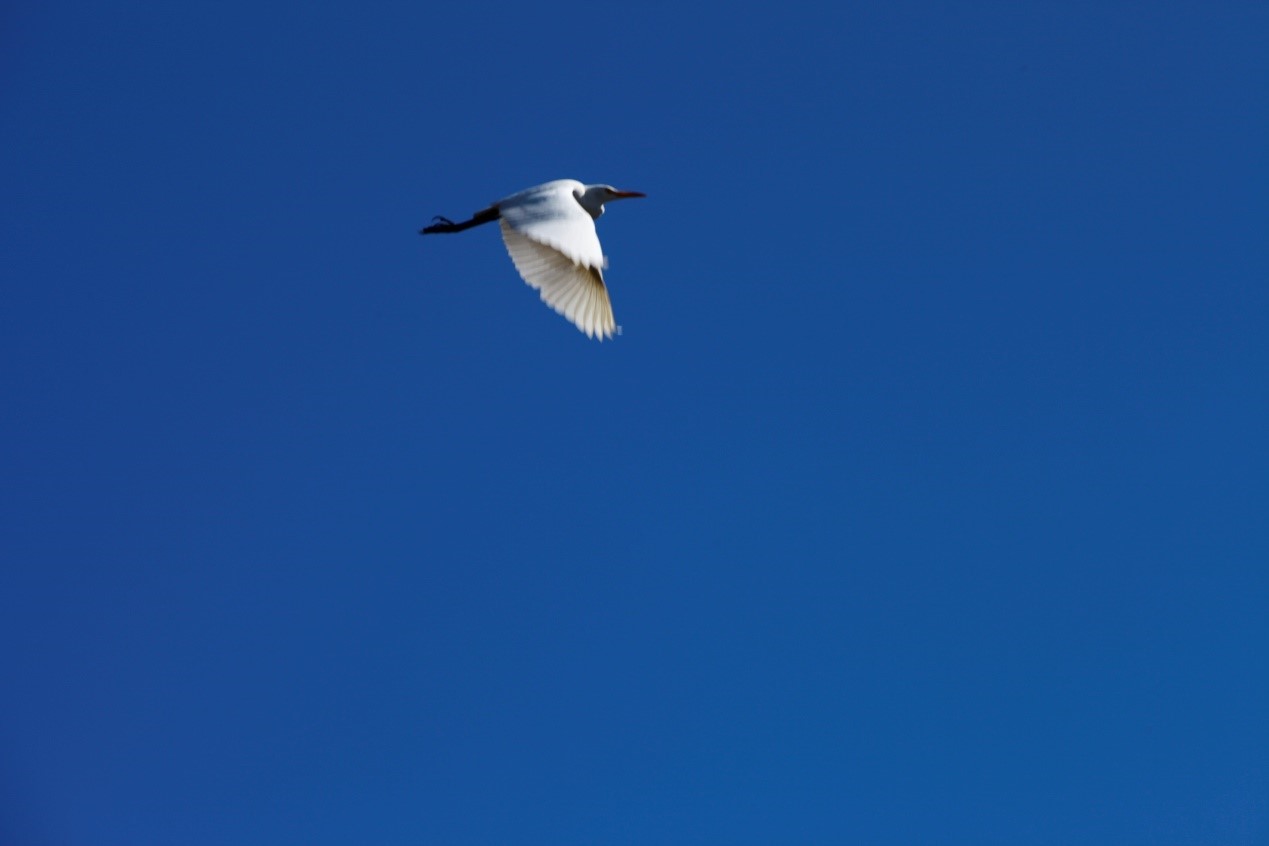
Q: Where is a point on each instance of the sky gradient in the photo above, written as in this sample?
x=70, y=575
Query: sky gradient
x=923, y=499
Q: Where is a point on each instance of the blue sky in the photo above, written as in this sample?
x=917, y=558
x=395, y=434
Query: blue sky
x=922, y=500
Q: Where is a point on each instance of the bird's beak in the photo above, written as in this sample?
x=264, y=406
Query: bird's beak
x=628, y=194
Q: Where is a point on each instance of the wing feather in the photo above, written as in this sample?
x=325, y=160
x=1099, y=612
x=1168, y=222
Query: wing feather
x=557, y=253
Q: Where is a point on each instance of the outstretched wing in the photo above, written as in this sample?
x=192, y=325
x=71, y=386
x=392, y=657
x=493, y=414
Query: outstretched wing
x=552, y=242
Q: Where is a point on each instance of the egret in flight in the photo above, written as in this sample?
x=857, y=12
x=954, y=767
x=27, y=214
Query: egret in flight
x=549, y=231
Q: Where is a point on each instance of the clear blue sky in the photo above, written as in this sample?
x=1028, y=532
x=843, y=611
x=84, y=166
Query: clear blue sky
x=924, y=499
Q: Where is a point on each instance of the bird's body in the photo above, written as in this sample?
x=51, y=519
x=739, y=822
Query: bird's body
x=549, y=231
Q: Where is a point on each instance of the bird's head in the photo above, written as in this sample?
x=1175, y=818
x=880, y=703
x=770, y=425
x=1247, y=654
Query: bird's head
x=593, y=197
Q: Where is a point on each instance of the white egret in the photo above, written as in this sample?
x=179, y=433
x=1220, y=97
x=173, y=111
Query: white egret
x=549, y=231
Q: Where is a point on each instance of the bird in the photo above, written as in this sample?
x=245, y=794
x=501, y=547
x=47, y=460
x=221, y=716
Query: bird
x=549, y=231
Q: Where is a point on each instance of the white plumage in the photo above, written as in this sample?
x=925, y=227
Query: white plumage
x=549, y=231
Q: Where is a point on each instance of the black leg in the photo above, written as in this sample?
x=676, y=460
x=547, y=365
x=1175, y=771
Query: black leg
x=445, y=225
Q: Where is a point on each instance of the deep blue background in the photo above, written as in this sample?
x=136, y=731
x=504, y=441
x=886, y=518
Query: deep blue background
x=924, y=499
